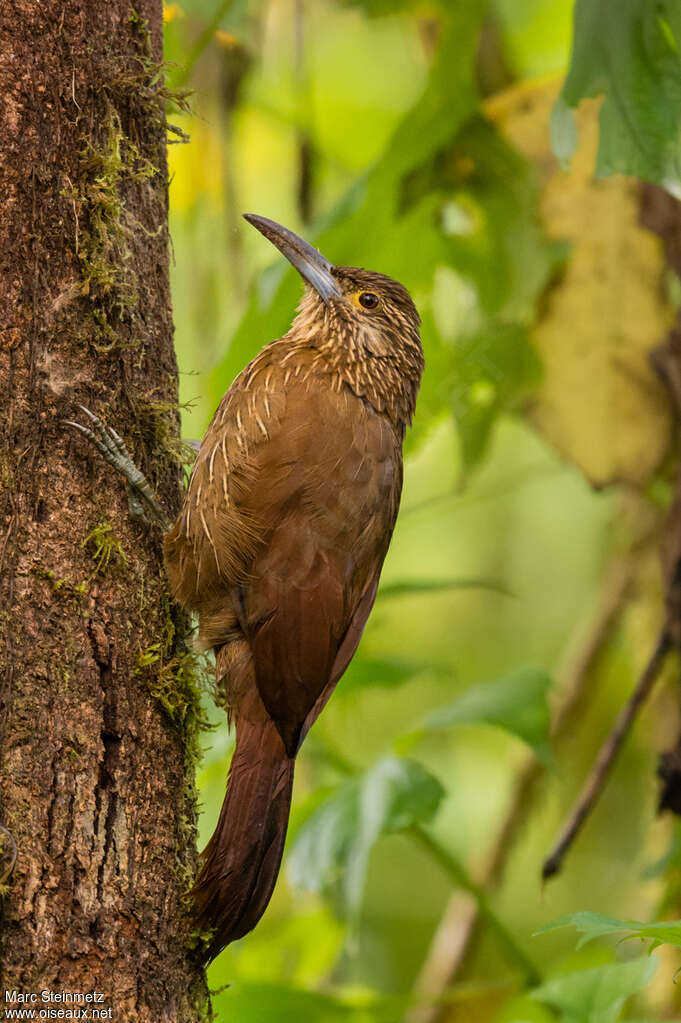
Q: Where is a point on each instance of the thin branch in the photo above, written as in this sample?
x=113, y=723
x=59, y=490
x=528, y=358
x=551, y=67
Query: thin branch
x=595, y=783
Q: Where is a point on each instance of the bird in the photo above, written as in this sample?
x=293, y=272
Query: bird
x=279, y=544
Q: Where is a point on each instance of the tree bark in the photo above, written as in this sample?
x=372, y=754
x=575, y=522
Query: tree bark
x=98, y=701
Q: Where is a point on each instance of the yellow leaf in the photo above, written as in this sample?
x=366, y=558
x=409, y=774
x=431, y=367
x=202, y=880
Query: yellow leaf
x=600, y=403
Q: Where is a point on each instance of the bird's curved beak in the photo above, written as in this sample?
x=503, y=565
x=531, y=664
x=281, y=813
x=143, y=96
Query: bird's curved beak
x=309, y=263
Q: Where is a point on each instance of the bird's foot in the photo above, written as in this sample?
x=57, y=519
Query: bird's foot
x=111, y=446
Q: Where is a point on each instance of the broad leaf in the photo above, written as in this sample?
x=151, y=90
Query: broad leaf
x=596, y=995
x=628, y=52
x=599, y=401
x=332, y=848
x=516, y=703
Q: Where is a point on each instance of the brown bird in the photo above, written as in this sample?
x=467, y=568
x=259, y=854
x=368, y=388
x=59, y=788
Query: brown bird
x=279, y=546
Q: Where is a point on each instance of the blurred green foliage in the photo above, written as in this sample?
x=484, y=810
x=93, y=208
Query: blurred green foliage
x=333, y=847
x=410, y=888
x=594, y=925
x=516, y=703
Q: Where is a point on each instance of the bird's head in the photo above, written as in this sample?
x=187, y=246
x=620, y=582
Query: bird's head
x=370, y=311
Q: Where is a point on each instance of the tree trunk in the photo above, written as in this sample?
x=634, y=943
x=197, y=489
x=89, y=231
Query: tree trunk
x=98, y=703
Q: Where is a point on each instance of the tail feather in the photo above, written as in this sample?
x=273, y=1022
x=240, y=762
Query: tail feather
x=242, y=860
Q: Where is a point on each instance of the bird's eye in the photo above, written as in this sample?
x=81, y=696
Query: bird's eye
x=368, y=300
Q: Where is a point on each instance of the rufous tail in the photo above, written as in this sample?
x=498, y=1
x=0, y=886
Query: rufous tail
x=242, y=860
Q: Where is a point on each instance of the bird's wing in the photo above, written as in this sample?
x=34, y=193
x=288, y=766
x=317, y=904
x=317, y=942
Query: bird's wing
x=345, y=651
x=214, y=538
x=328, y=482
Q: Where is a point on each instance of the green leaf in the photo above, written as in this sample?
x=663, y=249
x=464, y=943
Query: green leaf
x=595, y=925
x=370, y=671
x=516, y=703
x=412, y=586
x=596, y=995
x=332, y=849
x=629, y=52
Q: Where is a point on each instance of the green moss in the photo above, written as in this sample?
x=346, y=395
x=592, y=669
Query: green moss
x=150, y=655
x=176, y=685
x=103, y=225
x=159, y=98
x=200, y=939
x=63, y=587
x=159, y=422
x=179, y=678
x=177, y=675
x=186, y=832
x=110, y=160
x=141, y=26
x=105, y=548
x=132, y=88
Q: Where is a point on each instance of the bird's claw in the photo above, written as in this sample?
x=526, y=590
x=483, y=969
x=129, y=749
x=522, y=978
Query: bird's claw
x=108, y=442
x=111, y=447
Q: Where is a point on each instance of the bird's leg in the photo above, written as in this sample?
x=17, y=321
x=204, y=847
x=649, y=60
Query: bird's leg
x=141, y=497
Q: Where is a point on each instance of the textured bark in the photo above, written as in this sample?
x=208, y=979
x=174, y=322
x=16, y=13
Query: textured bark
x=97, y=707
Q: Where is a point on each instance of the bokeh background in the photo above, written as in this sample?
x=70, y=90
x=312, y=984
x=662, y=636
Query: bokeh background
x=522, y=585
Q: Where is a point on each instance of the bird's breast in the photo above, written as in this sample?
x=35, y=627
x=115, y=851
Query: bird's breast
x=333, y=458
